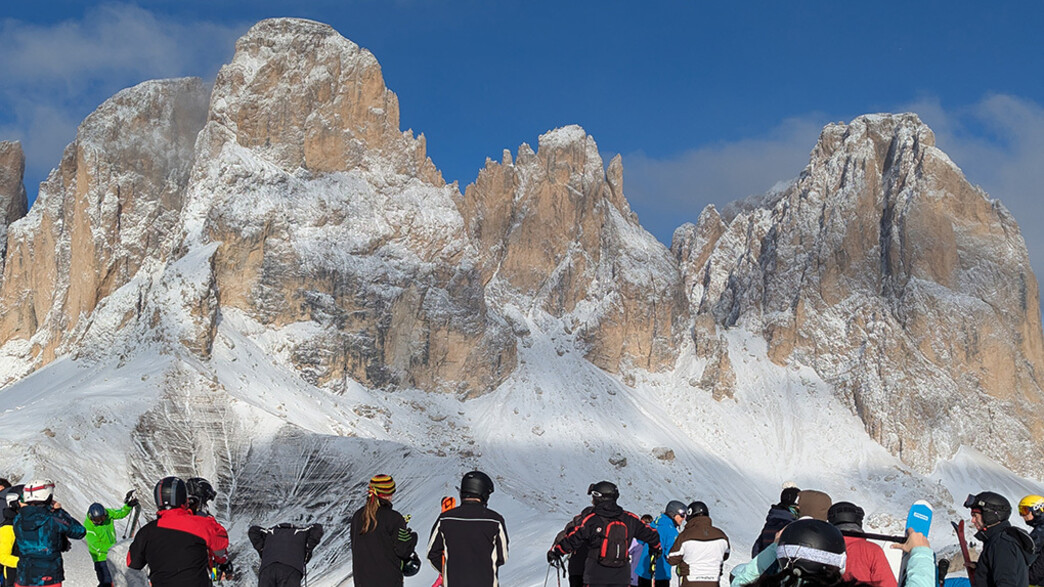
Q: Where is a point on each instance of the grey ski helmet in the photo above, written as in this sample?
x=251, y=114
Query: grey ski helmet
x=844, y=512
x=170, y=493
x=811, y=547
x=697, y=509
x=476, y=484
x=676, y=508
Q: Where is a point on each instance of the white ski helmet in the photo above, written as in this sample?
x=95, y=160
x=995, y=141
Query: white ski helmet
x=38, y=491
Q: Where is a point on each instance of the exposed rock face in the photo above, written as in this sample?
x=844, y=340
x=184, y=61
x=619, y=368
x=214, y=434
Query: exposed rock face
x=880, y=267
x=108, y=209
x=13, y=201
x=326, y=213
x=556, y=228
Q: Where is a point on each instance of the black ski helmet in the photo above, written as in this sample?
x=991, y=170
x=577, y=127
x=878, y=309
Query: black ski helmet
x=675, y=508
x=698, y=508
x=993, y=506
x=200, y=491
x=476, y=484
x=811, y=547
x=411, y=566
x=170, y=493
x=603, y=491
x=97, y=514
x=844, y=512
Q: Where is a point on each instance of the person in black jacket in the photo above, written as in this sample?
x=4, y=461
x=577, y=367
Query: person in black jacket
x=469, y=543
x=381, y=541
x=779, y=515
x=577, y=560
x=1031, y=508
x=284, y=550
x=1006, y=550
x=606, y=532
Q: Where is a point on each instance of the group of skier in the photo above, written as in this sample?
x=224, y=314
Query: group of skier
x=807, y=541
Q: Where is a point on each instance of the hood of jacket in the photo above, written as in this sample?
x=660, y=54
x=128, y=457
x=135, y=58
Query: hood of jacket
x=608, y=509
x=780, y=513
x=32, y=517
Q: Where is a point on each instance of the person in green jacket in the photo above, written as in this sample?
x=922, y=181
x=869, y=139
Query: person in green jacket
x=101, y=535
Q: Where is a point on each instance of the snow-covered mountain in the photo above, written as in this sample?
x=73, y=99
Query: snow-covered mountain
x=270, y=285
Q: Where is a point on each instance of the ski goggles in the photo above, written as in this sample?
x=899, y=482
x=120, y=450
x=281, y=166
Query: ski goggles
x=1023, y=510
x=973, y=502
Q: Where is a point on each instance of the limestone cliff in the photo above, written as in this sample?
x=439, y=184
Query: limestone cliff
x=13, y=202
x=901, y=283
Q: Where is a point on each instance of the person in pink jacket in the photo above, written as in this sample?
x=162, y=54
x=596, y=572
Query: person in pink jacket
x=866, y=560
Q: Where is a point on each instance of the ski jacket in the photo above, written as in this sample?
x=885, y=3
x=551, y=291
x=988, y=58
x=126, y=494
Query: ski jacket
x=178, y=548
x=635, y=552
x=472, y=540
x=777, y=519
x=377, y=555
x=589, y=533
x=699, y=553
x=8, y=551
x=575, y=565
x=1006, y=554
x=1036, y=570
x=668, y=532
x=920, y=568
x=285, y=544
x=40, y=535
x=866, y=562
x=100, y=538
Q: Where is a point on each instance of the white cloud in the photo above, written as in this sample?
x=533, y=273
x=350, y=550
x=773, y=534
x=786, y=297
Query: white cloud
x=55, y=75
x=669, y=192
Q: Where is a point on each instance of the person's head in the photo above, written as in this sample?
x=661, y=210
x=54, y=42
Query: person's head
x=380, y=489
x=603, y=492
x=97, y=514
x=788, y=498
x=697, y=509
x=844, y=512
x=676, y=511
x=200, y=492
x=39, y=492
x=810, y=548
x=1031, y=508
x=4, y=485
x=813, y=504
x=170, y=493
x=647, y=519
x=476, y=486
x=988, y=509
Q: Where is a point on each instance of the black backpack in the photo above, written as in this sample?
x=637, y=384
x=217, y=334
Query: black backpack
x=616, y=540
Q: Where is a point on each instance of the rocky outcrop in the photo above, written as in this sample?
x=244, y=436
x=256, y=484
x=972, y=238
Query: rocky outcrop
x=107, y=210
x=325, y=213
x=13, y=202
x=554, y=227
x=880, y=268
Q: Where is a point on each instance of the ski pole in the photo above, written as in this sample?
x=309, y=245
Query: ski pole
x=870, y=536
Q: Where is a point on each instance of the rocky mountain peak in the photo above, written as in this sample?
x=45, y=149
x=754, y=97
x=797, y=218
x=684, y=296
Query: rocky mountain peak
x=13, y=202
x=305, y=97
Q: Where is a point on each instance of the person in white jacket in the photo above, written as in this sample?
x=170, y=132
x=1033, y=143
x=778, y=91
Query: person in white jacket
x=701, y=550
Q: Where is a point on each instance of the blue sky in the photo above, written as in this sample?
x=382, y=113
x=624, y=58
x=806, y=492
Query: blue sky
x=707, y=102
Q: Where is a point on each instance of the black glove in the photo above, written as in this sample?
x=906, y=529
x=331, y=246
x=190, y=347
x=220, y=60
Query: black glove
x=553, y=558
x=66, y=544
x=226, y=570
x=133, y=502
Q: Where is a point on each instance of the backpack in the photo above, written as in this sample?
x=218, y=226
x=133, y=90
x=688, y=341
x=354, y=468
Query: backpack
x=616, y=540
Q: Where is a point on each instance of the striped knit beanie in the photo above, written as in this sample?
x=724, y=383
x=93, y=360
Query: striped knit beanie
x=382, y=486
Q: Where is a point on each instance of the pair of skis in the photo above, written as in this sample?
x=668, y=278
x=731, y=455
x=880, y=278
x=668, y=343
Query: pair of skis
x=129, y=530
x=448, y=503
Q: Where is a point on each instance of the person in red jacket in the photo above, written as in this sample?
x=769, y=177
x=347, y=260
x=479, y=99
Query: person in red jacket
x=866, y=560
x=178, y=546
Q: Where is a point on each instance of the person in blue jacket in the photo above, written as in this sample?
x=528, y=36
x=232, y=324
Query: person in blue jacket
x=42, y=529
x=667, y=526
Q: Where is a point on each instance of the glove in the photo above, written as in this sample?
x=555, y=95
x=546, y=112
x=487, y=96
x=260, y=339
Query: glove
x=133, y=502
x=226, y=570
x=553, y=558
